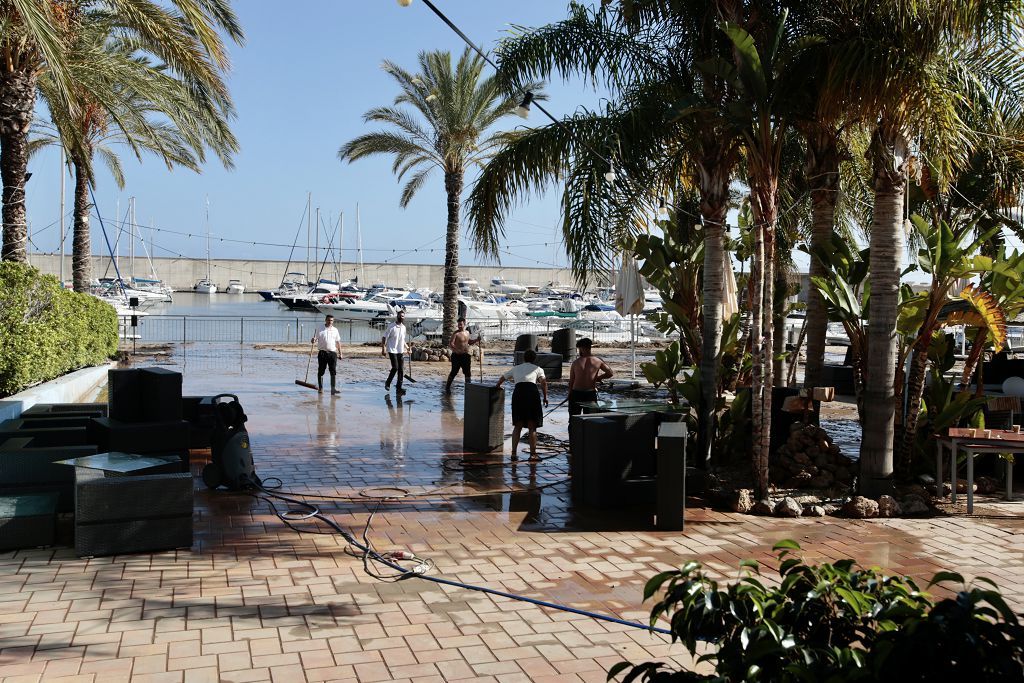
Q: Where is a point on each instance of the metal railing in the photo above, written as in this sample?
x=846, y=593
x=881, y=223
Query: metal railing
x=299, y=329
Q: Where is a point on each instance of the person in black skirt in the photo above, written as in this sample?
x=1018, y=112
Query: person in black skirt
x=526, y=401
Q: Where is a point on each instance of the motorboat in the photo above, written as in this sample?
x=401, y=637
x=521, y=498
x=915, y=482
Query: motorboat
x=116, y=289
x=309, y=299
x=500, y=285
x=652, y=301
x=235, y=287
x=153, y=288
x=204, y=286
x=373, y=307
x=291, y=283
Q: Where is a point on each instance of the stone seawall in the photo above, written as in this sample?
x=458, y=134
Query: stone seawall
x=182, y=273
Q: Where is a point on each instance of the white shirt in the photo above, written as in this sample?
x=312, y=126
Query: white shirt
x=394, y=338
x=524, y=372
x=328, y=338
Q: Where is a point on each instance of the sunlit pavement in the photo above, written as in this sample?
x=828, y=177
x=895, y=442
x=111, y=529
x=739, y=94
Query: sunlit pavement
x=256, y=600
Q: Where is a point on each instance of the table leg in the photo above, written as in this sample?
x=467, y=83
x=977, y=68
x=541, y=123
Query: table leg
x=1009, y=477
x=938, y=467
x=970, y=482
x=953, y=448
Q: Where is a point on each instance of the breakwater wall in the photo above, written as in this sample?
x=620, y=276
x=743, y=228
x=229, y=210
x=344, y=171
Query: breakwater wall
x=182, y=273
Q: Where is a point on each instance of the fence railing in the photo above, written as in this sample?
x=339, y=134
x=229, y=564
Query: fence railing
x=287, y=330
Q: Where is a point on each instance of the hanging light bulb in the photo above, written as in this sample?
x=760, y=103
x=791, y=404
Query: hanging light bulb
x=417, y=82
x=610, y=175
x=431, y=97
x=404, y=3
x=523, y=110
x=662, y=209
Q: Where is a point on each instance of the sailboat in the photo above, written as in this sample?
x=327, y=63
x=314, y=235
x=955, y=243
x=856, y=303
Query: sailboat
x=206, y=285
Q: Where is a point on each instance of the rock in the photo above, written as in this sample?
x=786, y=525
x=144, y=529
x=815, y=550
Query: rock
x=814, y=511
x=831, y=508
x=743, y=501
x=926, y=479
x=807, y=500
x=802, y=458
x=961, y=486
x=787, y=507
x=823, y=480
x=803, y=478
x=888, y=507
x=914, y=505
x=762, y=508
x=860, y=507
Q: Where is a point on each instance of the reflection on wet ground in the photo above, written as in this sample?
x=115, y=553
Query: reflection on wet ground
x=254, y=599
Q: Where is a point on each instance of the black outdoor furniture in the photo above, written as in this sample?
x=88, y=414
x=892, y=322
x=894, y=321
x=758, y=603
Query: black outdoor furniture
x=840, y=377
x=27, y=521
x=550, y=363
x=47, y=432
x=612, y=458
x=525, y=342
x=48, y=410
x=563, y=342
x=144, y=438
x=128, y=503
x=483, y=426
x=28, y=468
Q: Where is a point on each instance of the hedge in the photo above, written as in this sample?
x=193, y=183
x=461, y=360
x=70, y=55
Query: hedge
x=47, y=331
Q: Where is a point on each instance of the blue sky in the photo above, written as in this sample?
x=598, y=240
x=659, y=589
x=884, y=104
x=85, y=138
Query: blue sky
x=307, y=73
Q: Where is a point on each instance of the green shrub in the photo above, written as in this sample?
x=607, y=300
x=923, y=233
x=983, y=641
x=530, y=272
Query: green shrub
x=834, y=623
x=47, y=331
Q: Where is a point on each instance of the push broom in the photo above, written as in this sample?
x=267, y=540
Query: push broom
x=308, y=363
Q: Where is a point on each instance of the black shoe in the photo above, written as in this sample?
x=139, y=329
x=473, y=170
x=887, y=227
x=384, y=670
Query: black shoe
x=319, y=390
x=448, y=388
x=400, y=391
x=387, y=386
x=335, y=392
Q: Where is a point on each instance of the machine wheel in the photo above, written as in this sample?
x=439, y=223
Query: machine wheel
x=212, y=476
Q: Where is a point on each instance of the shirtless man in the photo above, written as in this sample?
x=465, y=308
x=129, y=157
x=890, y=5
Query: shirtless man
x=585, y=373
x=461, y=360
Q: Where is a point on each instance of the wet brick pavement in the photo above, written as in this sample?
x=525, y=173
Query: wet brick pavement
x=256, y=600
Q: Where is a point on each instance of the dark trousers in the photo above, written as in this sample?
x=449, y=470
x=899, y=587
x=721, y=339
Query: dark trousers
x=326, y=360
x=397, y=368
x=463, y=362
x=577, y=396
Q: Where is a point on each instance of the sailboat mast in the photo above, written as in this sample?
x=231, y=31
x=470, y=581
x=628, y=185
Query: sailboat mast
x=359, y=247
x=316, y=251
x=309, y=204
x=131, y=239
x=341, y=244
x=208, y=276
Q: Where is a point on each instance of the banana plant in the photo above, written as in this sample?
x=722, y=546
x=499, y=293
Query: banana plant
x=949, y=253
x=1005, y=285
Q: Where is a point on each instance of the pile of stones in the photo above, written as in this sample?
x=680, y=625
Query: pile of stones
x=810, y=460
x=435, y=354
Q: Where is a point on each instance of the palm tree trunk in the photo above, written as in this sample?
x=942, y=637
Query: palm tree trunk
x=757, y=364
x=781, y=284
x=915, y=391
x=453, y=186
x=714, y=202
x=17, y=104
x=81, y=251
x=823, y=175
x=876, y=449
x=977, y=347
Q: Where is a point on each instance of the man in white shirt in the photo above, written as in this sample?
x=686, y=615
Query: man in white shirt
x=393, y=345
x=328, y=344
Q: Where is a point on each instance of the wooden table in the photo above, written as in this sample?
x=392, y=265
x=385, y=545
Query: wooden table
x=974, y=442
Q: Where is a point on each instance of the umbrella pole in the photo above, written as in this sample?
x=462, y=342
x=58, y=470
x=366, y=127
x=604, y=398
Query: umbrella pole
x=632, y=339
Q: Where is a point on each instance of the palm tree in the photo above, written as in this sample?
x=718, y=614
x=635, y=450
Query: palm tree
x=119, y=99
x=896, y=56
x=644, y=54
x=457, y=107
x=36, y=37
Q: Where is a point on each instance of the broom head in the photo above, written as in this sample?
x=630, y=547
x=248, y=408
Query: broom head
x=307, y=385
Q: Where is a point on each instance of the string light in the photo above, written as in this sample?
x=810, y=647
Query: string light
x=662, y=209
x=523, y=110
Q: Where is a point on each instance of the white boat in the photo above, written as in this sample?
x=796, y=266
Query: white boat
x=291, y=284
x=153, y=288
x=235, y=287
x=652, y=301
x=377, y=306
x=500, y=285
x=204, y=286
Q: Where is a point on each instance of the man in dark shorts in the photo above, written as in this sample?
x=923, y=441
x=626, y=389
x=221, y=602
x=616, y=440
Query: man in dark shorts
x=584, y=374
x=461, y=359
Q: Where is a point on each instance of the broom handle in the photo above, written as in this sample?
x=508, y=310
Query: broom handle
x=310, y=361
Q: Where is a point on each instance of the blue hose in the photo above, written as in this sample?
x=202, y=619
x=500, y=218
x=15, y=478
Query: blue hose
x=458, y=584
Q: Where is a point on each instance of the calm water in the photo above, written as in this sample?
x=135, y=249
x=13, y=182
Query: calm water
x=247, y=305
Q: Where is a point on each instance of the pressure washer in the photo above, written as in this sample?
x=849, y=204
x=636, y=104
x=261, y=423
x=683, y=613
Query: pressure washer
x=231, y=464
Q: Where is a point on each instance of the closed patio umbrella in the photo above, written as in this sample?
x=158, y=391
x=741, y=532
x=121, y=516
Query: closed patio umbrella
x=629, y=298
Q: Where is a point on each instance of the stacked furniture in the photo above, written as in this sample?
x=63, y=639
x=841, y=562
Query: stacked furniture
x=27, y=467
x=563, y=342
x=550, y=363
x=144, y=415
x=27, y=520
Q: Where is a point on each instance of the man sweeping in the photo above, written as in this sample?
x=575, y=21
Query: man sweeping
x=328, y=344
x=393, y=345
x=584, y=374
